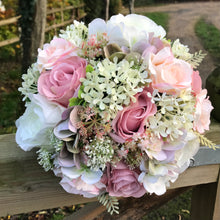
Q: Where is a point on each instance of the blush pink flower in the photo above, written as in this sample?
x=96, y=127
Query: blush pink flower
x=131, y=120
x=196, y=83
x=58, y=50
x=61, y=83
x=202, y=113
x=123, y=182
x=169, y=75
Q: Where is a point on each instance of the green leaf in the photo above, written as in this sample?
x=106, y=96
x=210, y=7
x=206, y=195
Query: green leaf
x=80, y=91
x=89, y=68
x=75, y=101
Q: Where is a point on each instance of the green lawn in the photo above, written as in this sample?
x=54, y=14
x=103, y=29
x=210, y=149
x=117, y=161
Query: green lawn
x=210, y=38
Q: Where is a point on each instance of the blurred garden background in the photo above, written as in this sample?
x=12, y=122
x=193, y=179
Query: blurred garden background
x=195, y=23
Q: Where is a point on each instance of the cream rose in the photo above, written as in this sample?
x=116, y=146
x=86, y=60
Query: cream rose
x=33, y=126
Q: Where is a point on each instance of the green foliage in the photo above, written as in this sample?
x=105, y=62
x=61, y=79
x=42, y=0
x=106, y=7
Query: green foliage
x=56, y=18
x=160, y=18
x=10, y=99
x=210, y=37
x=115, y=7
x=196, y=59
x=57, y=217
x=9, y=31
x=111, y=203
x=178, y=208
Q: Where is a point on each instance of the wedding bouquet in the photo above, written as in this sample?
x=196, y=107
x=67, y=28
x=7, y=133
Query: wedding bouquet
x=116, y=109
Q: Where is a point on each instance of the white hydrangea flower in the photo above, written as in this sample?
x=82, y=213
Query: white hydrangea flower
x=75, y=33
x=175, y=114
x=181, y=51
x=111, y=85
x=156, y=177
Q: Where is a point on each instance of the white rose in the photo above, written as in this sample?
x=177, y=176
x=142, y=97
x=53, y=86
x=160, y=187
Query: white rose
x=131, y=29
x=38, y=119
x=126, y=30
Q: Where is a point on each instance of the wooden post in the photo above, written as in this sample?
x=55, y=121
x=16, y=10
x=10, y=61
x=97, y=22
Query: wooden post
x=205, y=202
x=38, y=33
x=32, y=22
x=107, y=10
x=131, y=6
x=216, y=215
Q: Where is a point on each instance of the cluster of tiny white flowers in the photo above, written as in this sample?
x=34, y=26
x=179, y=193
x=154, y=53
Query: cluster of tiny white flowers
x=111, y=85
x=29, y=84
x=174, y=114
x=55, y=142
x=100, y=152
x=75, y=33
x=44, y=159
x=181, y=51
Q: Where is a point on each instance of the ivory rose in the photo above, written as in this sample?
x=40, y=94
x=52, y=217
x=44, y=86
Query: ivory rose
x=202, y=113
x=169, y=74
x=126, y=30
x=58, y=50
x=132, y=118
x=61, y=83
x=39, y=117
x=123, y=182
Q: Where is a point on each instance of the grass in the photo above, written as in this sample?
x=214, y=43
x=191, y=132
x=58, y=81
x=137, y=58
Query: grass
x=210, y=38
x=178, y=208
x=159, y=18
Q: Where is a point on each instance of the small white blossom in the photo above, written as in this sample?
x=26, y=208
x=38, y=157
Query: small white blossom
x=75, y=33
x=112, y=85
x=181, y=51
x=174, y=114
x=45, y=159
x=29, y=84
x=100, y=152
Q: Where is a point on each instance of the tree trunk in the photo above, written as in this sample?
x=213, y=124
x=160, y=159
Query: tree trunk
x=32, y=23
x=38, y=33
x=107, y=10
x=131, y=6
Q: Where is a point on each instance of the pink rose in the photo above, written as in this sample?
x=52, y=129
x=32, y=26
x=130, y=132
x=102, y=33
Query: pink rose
x=78, y=186
x=131, y=119
x=196, y=83
x=169, y=75
x=60, y=83
x=202, y=113
x=123, y=182
x=58, y=50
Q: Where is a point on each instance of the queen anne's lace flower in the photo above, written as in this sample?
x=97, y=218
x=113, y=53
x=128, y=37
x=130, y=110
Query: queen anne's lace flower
x=100, y=152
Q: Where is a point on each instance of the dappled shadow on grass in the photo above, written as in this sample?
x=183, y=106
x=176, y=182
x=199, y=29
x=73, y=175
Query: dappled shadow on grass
x=10, y=98
x=49, y=214
x=177, y=208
